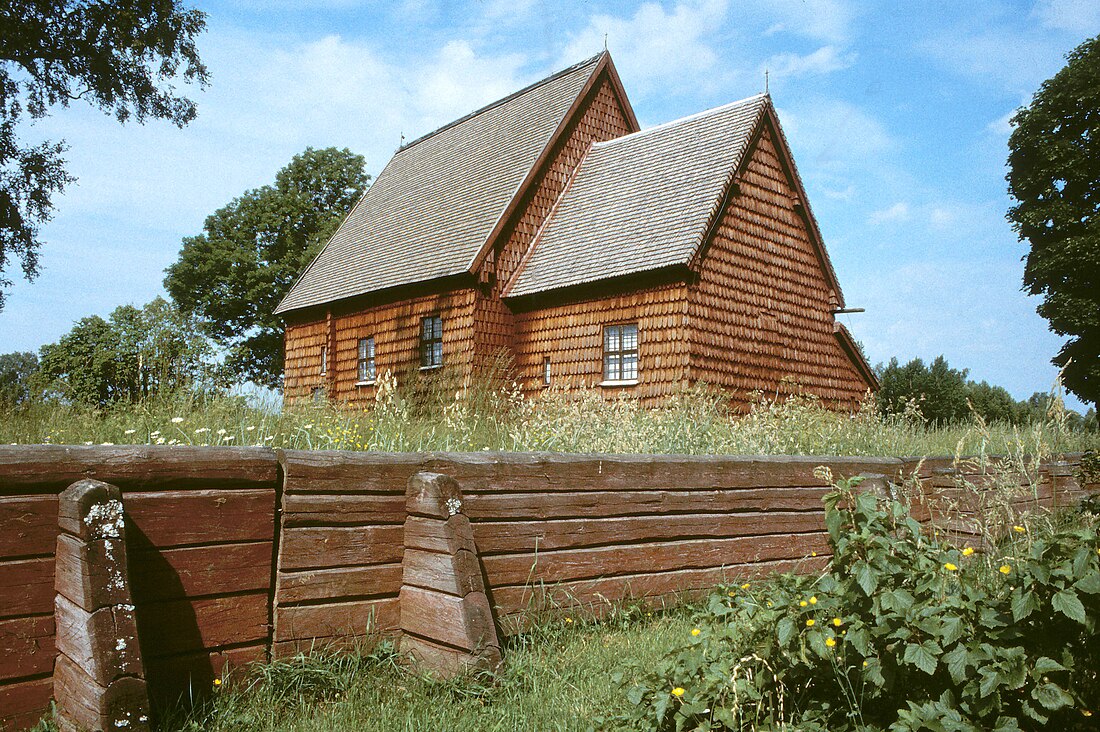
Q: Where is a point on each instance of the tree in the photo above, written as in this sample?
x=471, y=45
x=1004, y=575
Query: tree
x=16, y=372
x=120, y=56
x=233, y=275
x=1054, y=176
x=136, y=354
x=938, y=391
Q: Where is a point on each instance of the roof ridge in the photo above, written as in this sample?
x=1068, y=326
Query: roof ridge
x=503, y=100
x=684, y=120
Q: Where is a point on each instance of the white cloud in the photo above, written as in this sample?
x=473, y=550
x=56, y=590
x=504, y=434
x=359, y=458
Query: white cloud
x=1080, y=17
x=1002, y=126
x=655, y=45
x=899, y=212
x=829, y=20
x=824, y=60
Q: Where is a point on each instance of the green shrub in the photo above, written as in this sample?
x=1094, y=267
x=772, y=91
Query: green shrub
x=902, y=632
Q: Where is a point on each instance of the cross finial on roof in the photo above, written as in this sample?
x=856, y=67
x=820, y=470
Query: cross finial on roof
x=765, y=81
x=604, y=41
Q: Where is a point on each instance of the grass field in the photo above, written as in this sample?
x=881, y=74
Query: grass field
x=578, y=420
x=557, y=677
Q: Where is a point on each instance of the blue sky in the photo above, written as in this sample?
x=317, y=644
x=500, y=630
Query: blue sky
x=897, y=114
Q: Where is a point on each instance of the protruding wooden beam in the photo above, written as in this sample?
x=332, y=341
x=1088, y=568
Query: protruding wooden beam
x=99, y=677
x=446, y=620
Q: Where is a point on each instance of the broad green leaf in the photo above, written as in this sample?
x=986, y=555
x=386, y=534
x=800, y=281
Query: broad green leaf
x=858, y=639
x=1089, y=584
x=1051, y=696
x=951, y=630
x=919, y=656
x=1023, y=604
x=957, y=661
x=1046, y=665
x=1032, y=712
x=1067, y=603
x=865, y=577
x=785, y=630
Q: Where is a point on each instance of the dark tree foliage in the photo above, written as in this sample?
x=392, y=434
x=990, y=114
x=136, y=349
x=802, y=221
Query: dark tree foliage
x=938, y=391
x=136, y=354
x=16, y=372
x=121, y=56
x=234, y=274
x=1054, y=175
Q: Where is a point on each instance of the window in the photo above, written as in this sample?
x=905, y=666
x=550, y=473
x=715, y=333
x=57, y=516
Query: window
x=431, y=342
x=324, y=360
x=365, y=365
x=620, y=352
x=546, y=371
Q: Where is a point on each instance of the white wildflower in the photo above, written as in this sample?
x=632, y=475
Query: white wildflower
x=249, y=428
x=129, y=432
x=154, y=433
x=201, y=430
x=89, y=442
x=221, y=431
x=177, y=420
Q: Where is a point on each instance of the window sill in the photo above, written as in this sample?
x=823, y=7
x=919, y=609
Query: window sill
x=431, y=368
x=365, y=383
x=619, y=382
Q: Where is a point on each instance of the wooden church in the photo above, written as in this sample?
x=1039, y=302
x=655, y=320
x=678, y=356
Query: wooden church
x=549, y=227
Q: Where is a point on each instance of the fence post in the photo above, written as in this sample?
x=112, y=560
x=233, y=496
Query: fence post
x=446, y=623
x=99, y=677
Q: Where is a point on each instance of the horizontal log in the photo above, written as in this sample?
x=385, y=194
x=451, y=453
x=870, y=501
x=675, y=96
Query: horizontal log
x=606, y=592
x=325, y=471
x=26, y=647
x=317, y=548
x=49, y=468
x=102, y=643
x=456, y=574
x=83, y=703
x=432, y=535
x=498, y=537
x=182, y=626
x=177, y=679
x=194, y=572
x=359, y=618
x=337, y=584
x=23, y=703
x=578, y=564
x=308, y=509
x=26, y=587
x=174, y=518
x=91, y=574
x=28, y=525
x=464, y=623
x=592, y=504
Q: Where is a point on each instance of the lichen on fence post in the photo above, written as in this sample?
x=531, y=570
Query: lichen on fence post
x=446, y=623
x=99, y=677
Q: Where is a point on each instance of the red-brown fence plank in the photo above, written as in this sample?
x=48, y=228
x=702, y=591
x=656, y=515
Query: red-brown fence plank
x=186, y=626
x=339, y=583
x=22, y=704
x=26, y=646
x=26, y=587
x=194, y=572
x=329, y=621
x=174, y=518
x=28, y=525
x=316, y=548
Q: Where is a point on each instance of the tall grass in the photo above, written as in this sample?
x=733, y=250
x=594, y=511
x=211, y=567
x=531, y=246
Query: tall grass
x=469, y=418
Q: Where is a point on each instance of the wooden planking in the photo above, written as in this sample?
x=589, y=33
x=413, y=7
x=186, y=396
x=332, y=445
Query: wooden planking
x=518, y=536
x=186, y=626
x=177, y=518
x=357, y=618
x=26, y=587
x=339, y=546
x=200, y=571
x=460, y=622
x=342, y=472
x=760, y=311
x=598, y=504
x=23, y=704
x=28, y=525
x=176, y=678
x=339, y=583
x=328, y=510
x=651, y=584
x=26, y=646
x=47, y=468
x=578, y=564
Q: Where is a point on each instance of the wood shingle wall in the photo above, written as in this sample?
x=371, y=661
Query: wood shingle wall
x=760, y=313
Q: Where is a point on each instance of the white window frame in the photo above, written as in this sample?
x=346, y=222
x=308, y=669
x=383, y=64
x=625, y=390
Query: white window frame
x=621, y=365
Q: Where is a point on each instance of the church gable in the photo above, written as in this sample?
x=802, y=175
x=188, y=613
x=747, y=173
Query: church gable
x=761, y=307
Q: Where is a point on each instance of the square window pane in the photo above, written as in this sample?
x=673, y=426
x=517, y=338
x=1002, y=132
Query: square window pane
x=630, y=337
x=437, y=353
x=437, y=328
x=630, y=366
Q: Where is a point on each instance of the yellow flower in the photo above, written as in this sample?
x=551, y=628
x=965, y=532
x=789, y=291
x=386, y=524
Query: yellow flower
x=745, y=586
x=813, y=554
x=864, y=664
x=950, y=567
x=569, y=620
x=837, y=622
x=769, y=603
x=1086, y=713
x=1005, y=569
x=968, y=551
x=731, y=594
x=810, y=623
x=802, y=603
x=1019, y=529
x=678, y=691
x=695, y=631
x=217, y=682
x=813, y=600
x=830, y=642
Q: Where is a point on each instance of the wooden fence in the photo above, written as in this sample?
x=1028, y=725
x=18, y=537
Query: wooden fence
x=236, y=554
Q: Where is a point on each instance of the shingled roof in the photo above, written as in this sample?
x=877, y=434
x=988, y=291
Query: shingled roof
x=434, y=205
x=641, y=202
